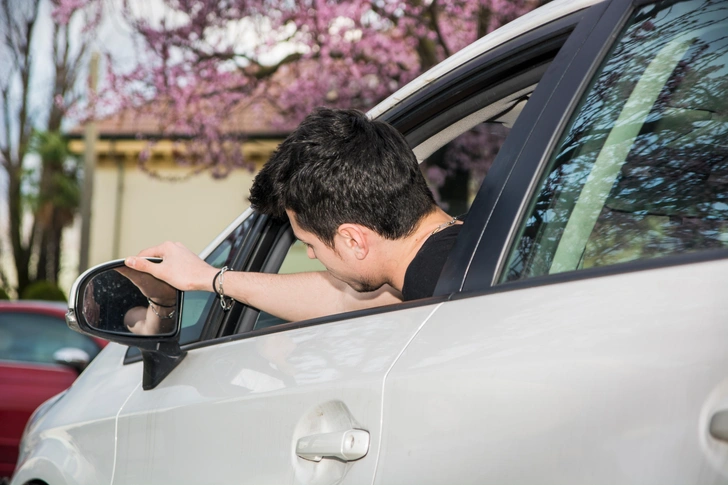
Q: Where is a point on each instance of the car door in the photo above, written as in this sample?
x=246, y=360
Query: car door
x=235, y=411
x=238, y=405
x=587, y=339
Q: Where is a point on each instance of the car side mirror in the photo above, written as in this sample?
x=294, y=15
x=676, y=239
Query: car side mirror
x=129, y=307
x=77, y=359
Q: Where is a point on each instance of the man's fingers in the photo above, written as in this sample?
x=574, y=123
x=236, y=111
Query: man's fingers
x=155, y=252
x=125, y=271
x=140, y=264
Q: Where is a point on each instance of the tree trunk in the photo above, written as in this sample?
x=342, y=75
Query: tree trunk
x=55, y=256
x=427, y=52
x=21, y=254
x=484, y=15
x=41, y=272
x=43, y=218
x=49, y=252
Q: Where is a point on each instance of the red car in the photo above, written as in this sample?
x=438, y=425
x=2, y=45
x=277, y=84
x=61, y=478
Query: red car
x=39, y=357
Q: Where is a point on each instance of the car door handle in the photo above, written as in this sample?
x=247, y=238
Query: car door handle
x=719, y=425
x=348, y=445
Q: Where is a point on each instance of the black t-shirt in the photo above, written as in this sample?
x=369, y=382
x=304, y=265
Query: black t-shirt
x=424, y=270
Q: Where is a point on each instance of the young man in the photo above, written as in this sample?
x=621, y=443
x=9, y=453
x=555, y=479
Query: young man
x=354, y=195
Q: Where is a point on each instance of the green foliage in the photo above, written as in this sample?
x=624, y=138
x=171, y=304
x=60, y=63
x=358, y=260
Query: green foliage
x=67, y=193
x=4, y=294
x=62, y=189
x=51, y=146
x=43, y=290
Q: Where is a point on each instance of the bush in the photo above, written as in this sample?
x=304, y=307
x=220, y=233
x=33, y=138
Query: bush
x=4, y=294
x=43, y=290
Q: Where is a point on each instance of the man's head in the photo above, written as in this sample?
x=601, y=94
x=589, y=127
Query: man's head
x=340, y=167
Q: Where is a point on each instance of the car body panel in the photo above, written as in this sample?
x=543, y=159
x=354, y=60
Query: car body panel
x=276, y=388
x=76, y=441
x=605, y=380
x=25, y=385
x=43, y=307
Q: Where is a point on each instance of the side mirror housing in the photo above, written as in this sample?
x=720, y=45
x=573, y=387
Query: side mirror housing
x=122, y=305
x=72, y=357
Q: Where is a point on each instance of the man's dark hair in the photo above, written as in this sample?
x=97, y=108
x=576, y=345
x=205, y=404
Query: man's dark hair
x=340, y=167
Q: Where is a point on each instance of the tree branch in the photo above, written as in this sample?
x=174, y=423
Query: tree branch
x=264, y=71
x=7, y=147
x=432, y=10
x=24, y=120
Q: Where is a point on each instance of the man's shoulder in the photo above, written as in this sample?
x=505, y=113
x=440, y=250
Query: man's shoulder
x=424, y=270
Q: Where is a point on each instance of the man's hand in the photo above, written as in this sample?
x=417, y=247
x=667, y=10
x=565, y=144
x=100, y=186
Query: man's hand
x=180, y=267
x=151, y=287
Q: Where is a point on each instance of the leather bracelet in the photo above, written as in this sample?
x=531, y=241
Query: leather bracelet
x=214, y=279
x=163, y=317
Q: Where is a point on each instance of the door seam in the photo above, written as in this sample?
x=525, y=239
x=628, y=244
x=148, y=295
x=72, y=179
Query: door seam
x=116, y=431
x=384, y=385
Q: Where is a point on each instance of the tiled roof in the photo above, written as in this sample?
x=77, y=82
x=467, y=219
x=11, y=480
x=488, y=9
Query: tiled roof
x=256, y=118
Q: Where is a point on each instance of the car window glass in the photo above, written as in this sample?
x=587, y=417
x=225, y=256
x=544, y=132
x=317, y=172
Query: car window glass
x=31, y=337
x=197, y=304
x=296, y=261
x=455, y=171
x=642, y=171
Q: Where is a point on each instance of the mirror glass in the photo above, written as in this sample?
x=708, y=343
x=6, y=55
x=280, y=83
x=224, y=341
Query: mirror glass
x=121, y=300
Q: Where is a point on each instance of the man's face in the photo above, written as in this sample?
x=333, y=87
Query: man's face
x=339, y=260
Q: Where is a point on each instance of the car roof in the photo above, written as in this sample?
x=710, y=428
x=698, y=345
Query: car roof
x=540, y=16
x=56, y=309
x=38, y=306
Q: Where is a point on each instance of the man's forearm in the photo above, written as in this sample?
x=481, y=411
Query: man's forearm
x=291, y=297
x=302, y=296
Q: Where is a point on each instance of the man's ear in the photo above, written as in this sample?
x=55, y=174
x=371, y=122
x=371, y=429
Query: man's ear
x=354, y=238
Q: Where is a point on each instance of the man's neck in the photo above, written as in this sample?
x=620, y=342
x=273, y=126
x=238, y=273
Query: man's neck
x=400, y=253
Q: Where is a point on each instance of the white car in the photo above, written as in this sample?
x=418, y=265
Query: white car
x=578, y=333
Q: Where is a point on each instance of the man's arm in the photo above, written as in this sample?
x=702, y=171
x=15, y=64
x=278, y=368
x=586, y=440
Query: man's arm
x=291, y=297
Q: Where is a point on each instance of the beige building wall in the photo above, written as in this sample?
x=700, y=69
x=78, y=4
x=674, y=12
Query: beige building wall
x=132, y=210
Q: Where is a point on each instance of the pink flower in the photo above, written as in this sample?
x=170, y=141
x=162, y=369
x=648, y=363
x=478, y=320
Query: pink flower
x=201, y=63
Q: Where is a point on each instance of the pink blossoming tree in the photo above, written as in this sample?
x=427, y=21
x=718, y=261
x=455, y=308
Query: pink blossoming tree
x=200, y=60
